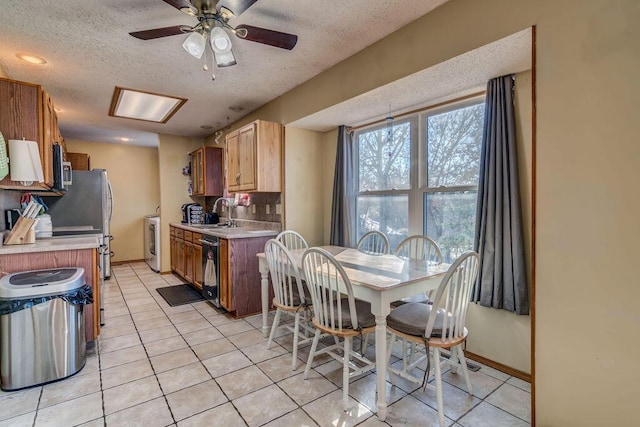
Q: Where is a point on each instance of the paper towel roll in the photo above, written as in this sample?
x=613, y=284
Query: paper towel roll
x=24, y=161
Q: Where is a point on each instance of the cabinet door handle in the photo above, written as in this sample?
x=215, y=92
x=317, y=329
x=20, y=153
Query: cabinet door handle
x=238, y=179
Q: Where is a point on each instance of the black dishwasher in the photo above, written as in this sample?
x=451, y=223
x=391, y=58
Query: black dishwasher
x=211, y=269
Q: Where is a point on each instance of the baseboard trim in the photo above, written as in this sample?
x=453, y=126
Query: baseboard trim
x=499, y=366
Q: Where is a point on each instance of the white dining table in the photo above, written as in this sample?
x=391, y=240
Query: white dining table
x=378, y=279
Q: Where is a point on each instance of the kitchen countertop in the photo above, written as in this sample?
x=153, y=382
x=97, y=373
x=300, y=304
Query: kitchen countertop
x=61, y=243
x=242, y=232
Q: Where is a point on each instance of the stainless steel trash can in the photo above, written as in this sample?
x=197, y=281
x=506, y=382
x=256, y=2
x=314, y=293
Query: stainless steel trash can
x=42, y=333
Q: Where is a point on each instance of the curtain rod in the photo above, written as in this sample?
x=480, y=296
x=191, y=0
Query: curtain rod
x=419, y=110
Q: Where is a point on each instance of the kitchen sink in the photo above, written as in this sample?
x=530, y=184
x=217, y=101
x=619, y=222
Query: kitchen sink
x=206, y=226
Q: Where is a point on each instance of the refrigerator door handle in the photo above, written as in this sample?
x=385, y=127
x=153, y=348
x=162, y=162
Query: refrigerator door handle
x=110, y=200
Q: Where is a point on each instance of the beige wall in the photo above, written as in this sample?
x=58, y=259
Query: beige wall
x=173, y=155
x=587, y=161
x=304, y=210
x=133, y=173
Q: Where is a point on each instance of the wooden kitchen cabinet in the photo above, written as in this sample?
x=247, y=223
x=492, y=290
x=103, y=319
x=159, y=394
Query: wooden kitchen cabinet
x=180, y=252
x=27, y=111
x=225, y=286
x=239, y=279
x=172, y=247
x=254, y=158
x=79, y=161
x=186, y=255
x=197, y=260
x=207, y=174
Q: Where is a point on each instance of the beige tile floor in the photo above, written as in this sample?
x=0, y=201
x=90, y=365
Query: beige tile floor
x=192, y=365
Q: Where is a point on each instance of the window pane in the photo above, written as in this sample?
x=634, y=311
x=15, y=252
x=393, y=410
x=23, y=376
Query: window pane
x=384, y=158
x=453, y=146
x=388, y=214
x=450, y=220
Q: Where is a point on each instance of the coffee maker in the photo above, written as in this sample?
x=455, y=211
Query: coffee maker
x=185, y=212
x=192, y=213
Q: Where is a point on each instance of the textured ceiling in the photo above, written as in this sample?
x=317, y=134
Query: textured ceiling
x=89, y=52
x=463, y=75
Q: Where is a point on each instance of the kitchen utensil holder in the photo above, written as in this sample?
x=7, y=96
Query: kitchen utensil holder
x=22, y=233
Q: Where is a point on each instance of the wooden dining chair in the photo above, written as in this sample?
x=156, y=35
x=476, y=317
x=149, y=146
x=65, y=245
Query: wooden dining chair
x=373, y=243
x=292, y=240
x=422, y=248
x=290, y=295
x=437, y=326
x=343, y=317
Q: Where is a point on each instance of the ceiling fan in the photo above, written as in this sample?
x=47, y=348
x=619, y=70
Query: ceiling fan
x=213, y=17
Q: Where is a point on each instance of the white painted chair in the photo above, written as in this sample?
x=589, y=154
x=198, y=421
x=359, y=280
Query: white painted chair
x=342, y=317
x=373, y=243
x=437, y=326
x=292, y=240
x=290, y=295
x=422, y=248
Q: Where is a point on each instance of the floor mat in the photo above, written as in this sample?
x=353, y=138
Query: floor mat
x=180, y=294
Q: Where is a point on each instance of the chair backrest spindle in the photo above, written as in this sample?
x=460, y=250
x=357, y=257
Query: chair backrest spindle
x=374, y=243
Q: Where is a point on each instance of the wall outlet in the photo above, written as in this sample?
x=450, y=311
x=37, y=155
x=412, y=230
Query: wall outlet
x=278, y=209
x=266, y=209
x=253, y=209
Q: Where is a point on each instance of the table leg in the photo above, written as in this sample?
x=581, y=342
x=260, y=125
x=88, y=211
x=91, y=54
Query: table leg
x=380, y=309
x=381, y=366
x=264, y=288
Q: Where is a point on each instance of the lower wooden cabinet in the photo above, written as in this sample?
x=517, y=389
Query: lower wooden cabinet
x=186, y=255
x=225, y=286
x=239, y=280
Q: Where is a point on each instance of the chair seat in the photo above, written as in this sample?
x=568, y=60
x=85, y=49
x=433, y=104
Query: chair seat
x=296, y=296
x=411, y=319
x=363, y=313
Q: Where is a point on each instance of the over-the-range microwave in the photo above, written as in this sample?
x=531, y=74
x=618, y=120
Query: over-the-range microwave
x=61, y=169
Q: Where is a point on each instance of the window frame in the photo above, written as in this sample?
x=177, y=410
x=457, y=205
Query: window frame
x=418, y=188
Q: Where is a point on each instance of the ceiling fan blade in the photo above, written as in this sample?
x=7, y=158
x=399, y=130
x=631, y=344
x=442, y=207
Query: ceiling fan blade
x=160, y=32
x=179, y=4
x=236, y=6
x=265, y=36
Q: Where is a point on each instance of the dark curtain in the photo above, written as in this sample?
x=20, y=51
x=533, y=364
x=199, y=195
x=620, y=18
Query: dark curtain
x=502, y=282
x=343, y=208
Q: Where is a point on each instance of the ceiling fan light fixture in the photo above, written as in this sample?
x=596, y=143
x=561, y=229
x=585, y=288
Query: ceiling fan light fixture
x=225, y=59
x=195, y=44
x=220, y=41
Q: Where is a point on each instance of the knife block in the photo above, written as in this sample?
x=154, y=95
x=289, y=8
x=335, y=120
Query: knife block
x=22, y=233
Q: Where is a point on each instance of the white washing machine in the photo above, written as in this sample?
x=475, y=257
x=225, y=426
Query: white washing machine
x=152, y=241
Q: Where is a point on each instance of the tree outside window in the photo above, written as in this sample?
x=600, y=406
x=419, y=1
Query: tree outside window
x=388, y=183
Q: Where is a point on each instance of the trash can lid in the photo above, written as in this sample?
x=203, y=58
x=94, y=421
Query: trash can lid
x=35, y=283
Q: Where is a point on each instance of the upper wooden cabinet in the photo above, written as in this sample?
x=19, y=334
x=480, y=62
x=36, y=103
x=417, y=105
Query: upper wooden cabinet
x=207, y=172
x=79, y=161
x=254, y=158
x=27, y=111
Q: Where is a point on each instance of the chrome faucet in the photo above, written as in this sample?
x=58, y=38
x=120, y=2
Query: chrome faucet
x=229, y=203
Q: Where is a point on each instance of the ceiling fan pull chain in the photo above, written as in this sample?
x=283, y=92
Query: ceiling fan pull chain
x=204, y=65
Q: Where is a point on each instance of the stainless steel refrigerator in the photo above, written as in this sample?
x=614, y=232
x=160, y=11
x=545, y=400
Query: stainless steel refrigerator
x=86, y=208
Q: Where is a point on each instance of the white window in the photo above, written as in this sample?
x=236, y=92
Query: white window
x=420, y=176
